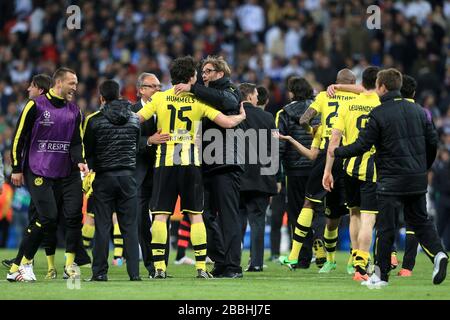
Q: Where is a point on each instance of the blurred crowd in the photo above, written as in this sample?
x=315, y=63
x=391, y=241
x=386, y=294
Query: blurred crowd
x=264, y=42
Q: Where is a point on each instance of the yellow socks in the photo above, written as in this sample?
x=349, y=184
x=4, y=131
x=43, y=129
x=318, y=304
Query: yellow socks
x=118, y=242
x=159, y=239
x=88, y=234
x=70, y=258
x=361, y=260
x=302, y=228
x=51, y=262
x=198, y=239
x=330, y=238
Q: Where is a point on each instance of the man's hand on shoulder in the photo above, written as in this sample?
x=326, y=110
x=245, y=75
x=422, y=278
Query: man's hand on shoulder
x=182, y=87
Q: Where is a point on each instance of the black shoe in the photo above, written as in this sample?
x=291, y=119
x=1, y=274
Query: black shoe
x=217, y=272
x=303, y=264
x=232, y=275
x=254, y=269
x=101, y=277
x=7, y=263
x=135, y=278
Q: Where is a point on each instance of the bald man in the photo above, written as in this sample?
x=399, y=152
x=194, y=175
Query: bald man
x=315, y=194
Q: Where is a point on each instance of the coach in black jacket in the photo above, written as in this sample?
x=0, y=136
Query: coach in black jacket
x=111, y=138
x=222, y=173
x=295, y=165
x=258, y=181
x=406, y=145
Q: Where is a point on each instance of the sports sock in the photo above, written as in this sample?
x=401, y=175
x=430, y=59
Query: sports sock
x=198, y=238
x=302, y=228
x=330, y=238
x=50, y=262
x=361, y=261
x=70, y=258
x=118, y=242
x=184, y=233
x=88, y=234
x=159, y=239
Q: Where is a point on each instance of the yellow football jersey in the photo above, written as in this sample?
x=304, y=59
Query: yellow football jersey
x=328, y=108
x=352, y=117
x=180, y=116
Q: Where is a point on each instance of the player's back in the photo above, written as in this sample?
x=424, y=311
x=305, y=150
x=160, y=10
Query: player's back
x=179, y=116
x=357, y=114
x=328, y=107
x=352, y=118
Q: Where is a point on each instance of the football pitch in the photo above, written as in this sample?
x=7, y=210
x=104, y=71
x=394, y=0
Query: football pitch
x=274, y=283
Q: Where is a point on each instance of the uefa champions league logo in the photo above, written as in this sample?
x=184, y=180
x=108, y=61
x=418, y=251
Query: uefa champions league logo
x=46, y=115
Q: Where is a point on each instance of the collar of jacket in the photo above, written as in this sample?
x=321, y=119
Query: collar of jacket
x=390, y=95
x=248, y=104
x=56, y=100
x=221, y=83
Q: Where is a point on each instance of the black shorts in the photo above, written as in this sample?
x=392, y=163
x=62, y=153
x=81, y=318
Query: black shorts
x=335, y=200
x=169, y=182
x=361, y=194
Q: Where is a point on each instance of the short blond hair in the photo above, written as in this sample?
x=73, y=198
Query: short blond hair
x=219, y=64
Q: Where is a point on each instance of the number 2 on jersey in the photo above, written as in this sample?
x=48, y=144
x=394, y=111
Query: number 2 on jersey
x=332, y=114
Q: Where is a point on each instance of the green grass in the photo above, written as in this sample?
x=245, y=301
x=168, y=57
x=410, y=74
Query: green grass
x=275, y=282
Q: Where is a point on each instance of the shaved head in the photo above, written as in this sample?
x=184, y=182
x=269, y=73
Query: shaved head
x=346, y=76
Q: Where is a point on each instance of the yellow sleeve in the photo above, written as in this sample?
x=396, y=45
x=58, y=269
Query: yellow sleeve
x=149, y=109
x=318, y=102
x=317, y=138
x=208, y=111
x=339, y=123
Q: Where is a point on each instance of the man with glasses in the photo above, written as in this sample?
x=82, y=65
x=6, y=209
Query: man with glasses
x=222, y=177
x=147, y=85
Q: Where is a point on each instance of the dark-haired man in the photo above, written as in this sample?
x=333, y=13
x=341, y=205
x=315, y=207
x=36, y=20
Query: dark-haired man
x=40, y=84
x=315, y=194
x=408, y=91
x=360, y=177
x=47, y=153
x=295, y=165
x=263, y=97
x=256, y=185
x=222, y=168
x=177, y=166
x=111, y=137
x=406, y=144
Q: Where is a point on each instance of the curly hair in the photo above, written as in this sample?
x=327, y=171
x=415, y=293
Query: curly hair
x=182, y=69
